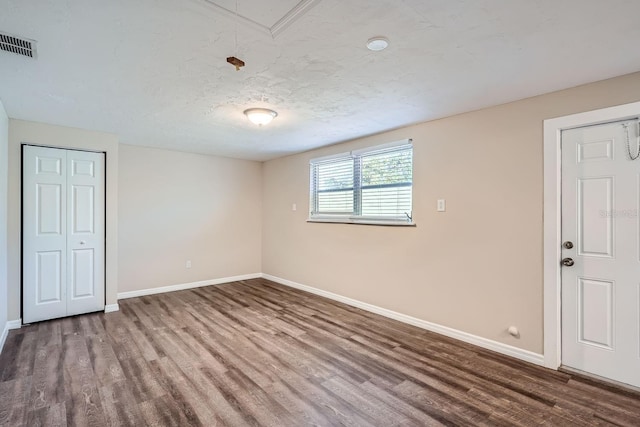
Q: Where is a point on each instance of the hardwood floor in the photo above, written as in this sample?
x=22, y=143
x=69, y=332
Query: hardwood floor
x=258, y=353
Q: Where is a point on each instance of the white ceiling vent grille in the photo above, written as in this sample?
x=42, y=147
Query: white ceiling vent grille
x=13, y=44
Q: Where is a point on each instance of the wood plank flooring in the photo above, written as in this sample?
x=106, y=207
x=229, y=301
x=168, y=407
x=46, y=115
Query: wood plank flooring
x=256, y=353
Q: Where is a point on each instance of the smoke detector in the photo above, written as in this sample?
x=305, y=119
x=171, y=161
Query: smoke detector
x=377, y=44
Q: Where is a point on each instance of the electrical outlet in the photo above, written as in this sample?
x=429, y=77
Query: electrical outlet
x=188, y=265
x=442, y=205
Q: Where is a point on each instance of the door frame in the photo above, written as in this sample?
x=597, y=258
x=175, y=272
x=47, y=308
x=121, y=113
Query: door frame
x=104, y=183
x=35, y=133
x=552, y=239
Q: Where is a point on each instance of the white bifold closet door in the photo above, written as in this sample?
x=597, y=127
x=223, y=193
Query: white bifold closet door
x=63, y=232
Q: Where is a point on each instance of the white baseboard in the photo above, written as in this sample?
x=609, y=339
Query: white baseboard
x=110, y=308
x=14, y=324
x=11, y=324
x=506, y=349
x=3, y=338
x=183, y=286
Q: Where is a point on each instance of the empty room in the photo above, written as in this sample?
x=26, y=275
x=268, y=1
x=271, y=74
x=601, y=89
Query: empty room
x=319, y=213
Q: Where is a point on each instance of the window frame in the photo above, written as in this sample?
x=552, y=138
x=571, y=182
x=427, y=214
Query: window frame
x=352, y=218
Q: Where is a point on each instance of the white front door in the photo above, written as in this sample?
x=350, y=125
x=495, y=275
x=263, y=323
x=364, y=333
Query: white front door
x=63, y=203
x=600, y=235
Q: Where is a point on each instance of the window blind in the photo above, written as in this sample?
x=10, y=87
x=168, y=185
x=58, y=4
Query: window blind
x=371, y=185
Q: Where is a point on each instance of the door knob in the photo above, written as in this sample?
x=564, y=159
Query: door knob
x=567, y=245
x=568, y=262
x=82, y=242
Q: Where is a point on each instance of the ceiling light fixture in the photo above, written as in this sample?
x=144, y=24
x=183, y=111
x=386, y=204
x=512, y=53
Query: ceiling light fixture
x=260, y=116
x=377, y=44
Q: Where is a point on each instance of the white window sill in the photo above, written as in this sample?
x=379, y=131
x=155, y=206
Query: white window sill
x=363, y=222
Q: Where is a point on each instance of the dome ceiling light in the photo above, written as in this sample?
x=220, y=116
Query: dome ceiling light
x=260, y=116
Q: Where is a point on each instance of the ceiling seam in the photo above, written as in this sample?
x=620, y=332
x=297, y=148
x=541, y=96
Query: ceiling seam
x=297, y=12
x=231, y=14
x=292, y=16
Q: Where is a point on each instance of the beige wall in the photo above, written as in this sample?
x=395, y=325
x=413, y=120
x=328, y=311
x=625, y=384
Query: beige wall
x=57, y=136
x=477, y=267
x=169, y=207
x=4, y=151
x=175, y=207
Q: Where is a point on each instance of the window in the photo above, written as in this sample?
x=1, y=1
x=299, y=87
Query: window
x=371, y=186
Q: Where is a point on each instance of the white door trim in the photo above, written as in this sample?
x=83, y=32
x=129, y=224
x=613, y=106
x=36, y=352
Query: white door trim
x=552, y=216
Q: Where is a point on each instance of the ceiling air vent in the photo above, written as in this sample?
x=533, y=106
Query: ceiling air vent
x=24, y=47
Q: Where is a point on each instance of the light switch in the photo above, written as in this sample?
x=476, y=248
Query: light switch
x=294, y=207
x=441, y=205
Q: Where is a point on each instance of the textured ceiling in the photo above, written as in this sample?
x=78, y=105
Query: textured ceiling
x=154, y=71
